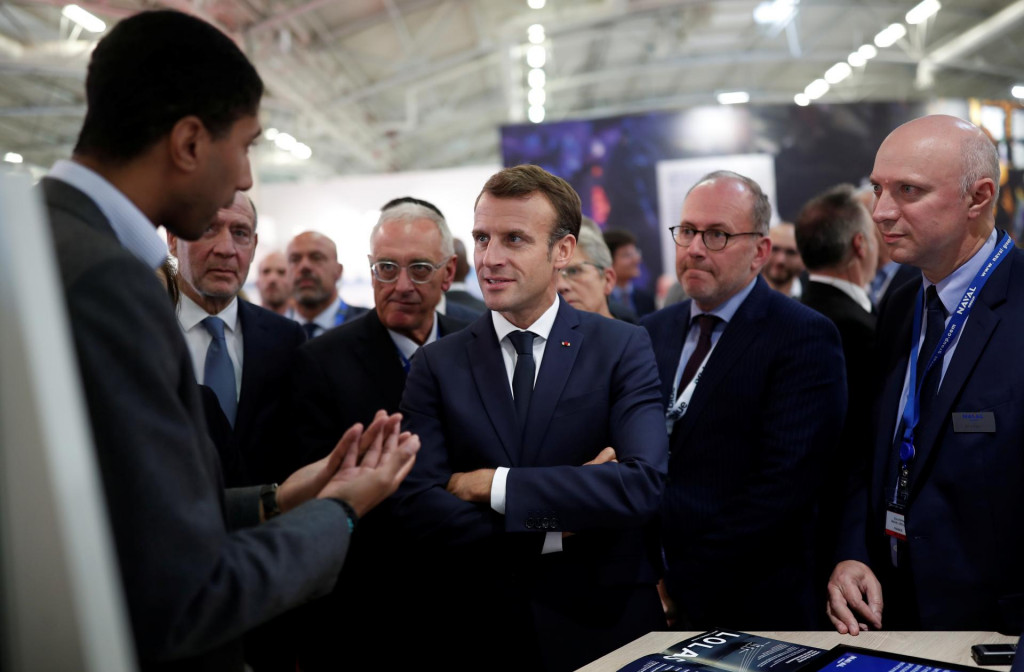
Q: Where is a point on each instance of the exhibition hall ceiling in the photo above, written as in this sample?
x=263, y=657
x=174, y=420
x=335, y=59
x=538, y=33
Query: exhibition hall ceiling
x=372, y=86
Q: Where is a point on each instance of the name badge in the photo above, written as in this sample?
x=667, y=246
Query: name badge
x=976, y=422
x=896, y=523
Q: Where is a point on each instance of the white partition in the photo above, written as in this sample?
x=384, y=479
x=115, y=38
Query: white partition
x=62, y=607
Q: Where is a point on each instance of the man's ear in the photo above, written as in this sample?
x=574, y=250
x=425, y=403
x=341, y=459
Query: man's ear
x=982, y=194
x=763, y=252
x=172, y=244
x=564, y=249
x=449, y=273
x=187, y=143
x=859, y=245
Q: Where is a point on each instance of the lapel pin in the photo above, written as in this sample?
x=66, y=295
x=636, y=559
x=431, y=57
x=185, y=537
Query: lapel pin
x=566, y=344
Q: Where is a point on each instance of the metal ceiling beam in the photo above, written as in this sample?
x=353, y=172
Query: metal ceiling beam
x=968, y=42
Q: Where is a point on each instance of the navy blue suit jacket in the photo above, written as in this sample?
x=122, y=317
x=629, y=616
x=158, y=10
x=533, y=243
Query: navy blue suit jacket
x=597, y=387
x=269, y=343
x=747, y=461
x=965, y=521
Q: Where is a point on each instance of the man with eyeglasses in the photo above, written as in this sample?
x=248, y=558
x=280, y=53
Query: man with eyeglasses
x=755, y=394
x=346, y=376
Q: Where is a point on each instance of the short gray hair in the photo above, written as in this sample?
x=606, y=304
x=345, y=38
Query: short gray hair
x=410, y=212
x=761, y=213
x=592, y=243
x=979, y=159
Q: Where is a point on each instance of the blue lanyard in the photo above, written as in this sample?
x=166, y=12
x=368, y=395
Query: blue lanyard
x=912, y=409
x=339, y=317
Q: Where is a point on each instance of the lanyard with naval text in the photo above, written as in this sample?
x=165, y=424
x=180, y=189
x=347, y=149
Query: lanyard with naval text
x=912, y=409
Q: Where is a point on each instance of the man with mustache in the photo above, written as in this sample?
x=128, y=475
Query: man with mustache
x=314, y=273
x=755, y=391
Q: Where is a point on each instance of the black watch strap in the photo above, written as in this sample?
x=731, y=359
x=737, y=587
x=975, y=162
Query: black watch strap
x=268, y=497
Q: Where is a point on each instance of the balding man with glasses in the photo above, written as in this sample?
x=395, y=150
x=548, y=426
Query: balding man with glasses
x=755, y=394
x=347, y=375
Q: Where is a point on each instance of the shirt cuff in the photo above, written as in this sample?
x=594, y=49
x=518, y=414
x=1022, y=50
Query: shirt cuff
x=498, y=489
x=552, y=543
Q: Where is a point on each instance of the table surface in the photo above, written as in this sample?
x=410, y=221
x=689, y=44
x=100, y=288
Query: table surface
x=950, y=647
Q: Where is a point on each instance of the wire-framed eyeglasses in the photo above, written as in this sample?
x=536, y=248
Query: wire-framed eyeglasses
x=419, y=271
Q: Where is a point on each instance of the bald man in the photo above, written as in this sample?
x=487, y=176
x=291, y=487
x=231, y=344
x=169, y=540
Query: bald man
x=314, y=274
x=936, y=536
x=784, y=265
x=272, y=282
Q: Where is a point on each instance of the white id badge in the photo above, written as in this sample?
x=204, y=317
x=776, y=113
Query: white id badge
x=896, y=523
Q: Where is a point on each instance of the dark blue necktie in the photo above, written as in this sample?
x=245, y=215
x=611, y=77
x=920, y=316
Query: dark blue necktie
x=522, y=377
x=218, y=373
x=310, y=329
x=936, y=320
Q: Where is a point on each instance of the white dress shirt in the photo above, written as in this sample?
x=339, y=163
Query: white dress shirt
x=191, y=316
x=541, y=330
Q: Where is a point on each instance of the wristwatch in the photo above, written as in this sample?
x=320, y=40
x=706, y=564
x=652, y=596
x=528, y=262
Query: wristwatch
x=268, y=497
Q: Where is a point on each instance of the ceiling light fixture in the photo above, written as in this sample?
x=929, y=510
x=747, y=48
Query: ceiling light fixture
x=536, y=114
x=83, y=18
x=868, y=51
x=536, y=78
x=816, y=89
x=772, y=12
x=1018, y=91
x=856, y=60
x=889, y=36
x=535, y=33
x=838, y=72
x=536, y=4
x=733, y=97
x=13, y=157
x=801, y=99
x=536, y=56
x=923, y=11
x=536, y=97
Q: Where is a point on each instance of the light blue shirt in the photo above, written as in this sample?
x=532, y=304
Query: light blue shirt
x=726, y=311
x=950, y=290
x=133, y=229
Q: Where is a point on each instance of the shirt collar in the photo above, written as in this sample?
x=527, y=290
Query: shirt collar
x=728, y=309
x=855, y=292
x=541, y=328
x=133, y=229
x=951, y=288
x=326, y=319
x=191, y=314
x=407, y=346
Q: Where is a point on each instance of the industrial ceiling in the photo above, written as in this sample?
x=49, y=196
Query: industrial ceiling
x=375, y=86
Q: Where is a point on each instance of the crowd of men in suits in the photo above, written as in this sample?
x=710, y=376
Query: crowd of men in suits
x=538, y=484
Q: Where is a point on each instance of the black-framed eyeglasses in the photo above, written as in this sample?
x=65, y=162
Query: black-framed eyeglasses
x=419, y=271
x=714, y=239
x=574, y=272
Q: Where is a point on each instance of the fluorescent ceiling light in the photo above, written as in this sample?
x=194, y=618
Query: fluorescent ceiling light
x=838, y=72
x=301, y=151
x=1018, y=91
x=801, y=99
x=856, y=60
x=285, y=141
x=536, y=78
x=536, y=4
x=889, y=36
x=536, y=56
x=923, y=11
x=733, y=97
x=536, y=33
x=536, y=114
x=536, y=97
x=816, y=89
x=270, y=133
x=774, y=11
x=868, y=51
x=13, y=157
x=83, y=18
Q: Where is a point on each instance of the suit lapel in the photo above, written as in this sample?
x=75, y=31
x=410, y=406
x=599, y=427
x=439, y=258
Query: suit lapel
x=739, y=333
x=560, y=352
x=669, y=340
x=491, y=380
x=976, y=334
x=254, y=349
